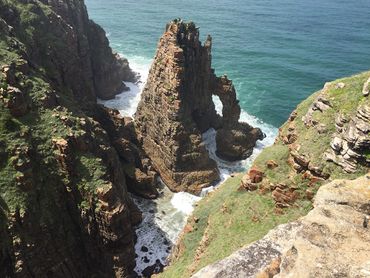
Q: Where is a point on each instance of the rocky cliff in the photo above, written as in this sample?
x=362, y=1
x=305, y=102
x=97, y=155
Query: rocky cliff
x=176, y=108
x=326, y=138
x=64, y=207
x=331, y=241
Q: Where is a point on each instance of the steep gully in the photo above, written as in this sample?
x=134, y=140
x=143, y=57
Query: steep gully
x=164, y=217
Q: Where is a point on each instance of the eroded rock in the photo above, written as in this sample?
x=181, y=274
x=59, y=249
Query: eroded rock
x=351, y=142
x=320, y=244
x=176, y=108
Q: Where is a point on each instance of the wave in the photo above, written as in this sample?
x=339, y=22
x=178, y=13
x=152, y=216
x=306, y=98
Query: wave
x=165, y=217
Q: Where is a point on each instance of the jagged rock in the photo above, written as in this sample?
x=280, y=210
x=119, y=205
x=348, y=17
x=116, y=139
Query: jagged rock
x=340, y=121
x=320, y=104
x=320, y=244
x=180, y=85
x=247, y=184
x=352, y=141
x=155, y=268
x=85, y=61
x=283, y=198
x=300, y=159
x=271, y=164
x=255, y=175
x=142, y=184
x=237, y=143
x=336, y=144
x=366, y=88
x=65, y=210
x=14, y=99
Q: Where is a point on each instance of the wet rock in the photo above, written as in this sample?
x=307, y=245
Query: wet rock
x=153, y=269
x=144, y=249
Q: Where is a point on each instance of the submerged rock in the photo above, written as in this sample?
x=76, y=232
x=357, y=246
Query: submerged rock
x=176, y=108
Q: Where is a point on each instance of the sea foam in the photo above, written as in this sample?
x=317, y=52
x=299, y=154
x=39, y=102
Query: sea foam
x=165, y=217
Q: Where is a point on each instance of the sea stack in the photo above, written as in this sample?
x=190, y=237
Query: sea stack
x=176, y=107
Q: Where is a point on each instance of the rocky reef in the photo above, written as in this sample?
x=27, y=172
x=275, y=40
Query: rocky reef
x=331, y=241
x=64, y=206
x=176, y=107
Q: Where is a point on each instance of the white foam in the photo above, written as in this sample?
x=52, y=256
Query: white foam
x=127, y=101
x=184, y=202
x=165, y=217
x=226, y=168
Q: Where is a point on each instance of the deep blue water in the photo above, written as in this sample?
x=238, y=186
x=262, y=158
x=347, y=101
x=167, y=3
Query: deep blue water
x=277, y=52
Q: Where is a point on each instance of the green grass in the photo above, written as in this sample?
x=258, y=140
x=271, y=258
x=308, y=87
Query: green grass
x=91, y=172
x=232, y=219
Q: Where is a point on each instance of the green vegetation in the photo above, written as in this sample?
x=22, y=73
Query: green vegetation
x=31, y=177
x=227, y=219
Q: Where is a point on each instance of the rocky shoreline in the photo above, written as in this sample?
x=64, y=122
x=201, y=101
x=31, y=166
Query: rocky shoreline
x=69, y=165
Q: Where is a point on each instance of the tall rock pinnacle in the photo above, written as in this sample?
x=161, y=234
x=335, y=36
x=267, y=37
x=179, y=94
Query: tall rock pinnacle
x=176, y=108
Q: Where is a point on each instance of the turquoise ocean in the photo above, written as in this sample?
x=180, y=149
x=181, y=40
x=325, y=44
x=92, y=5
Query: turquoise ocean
x=277, y=52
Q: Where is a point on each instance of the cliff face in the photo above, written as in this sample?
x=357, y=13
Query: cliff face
x=64, y=207
x=326, y=138
x=72, y=50
x=176, y=108
x=332, y=240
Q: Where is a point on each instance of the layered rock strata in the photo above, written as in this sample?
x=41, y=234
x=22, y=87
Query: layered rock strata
x=326, y=136
x=351, y=142
x=176, y=108
x=321, y=244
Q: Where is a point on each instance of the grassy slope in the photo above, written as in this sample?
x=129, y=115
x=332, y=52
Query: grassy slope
x=229, y=219
x=37, y=128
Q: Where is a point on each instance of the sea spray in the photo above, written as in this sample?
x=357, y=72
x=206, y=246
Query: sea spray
x=165, y=217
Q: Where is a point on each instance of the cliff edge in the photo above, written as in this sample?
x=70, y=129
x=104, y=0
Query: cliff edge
x=331, y=241
x=326, y=138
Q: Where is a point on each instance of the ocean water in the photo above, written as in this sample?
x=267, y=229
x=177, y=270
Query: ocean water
x=276, y=52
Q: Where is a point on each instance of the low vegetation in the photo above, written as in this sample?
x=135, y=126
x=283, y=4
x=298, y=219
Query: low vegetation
x=229, y=218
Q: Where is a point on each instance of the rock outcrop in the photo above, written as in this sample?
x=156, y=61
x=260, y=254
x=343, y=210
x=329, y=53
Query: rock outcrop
x=351, y=142
x=332, y=240
x=327, y=136
x=176, y=108
x=64, y=206
x=71, y=48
